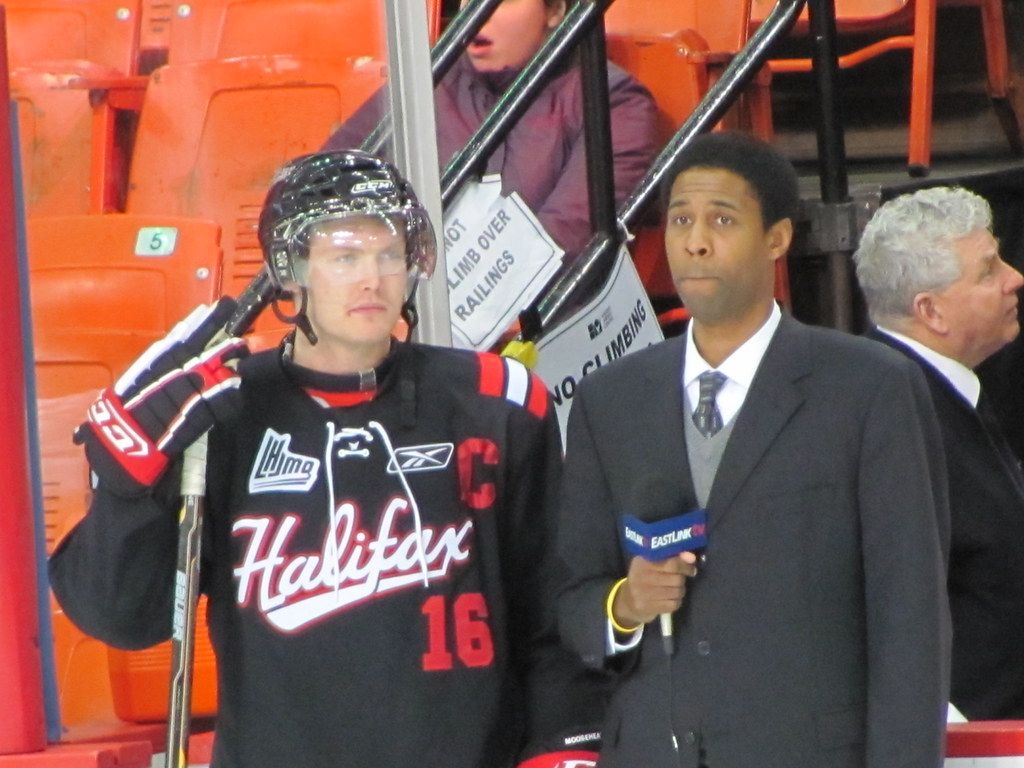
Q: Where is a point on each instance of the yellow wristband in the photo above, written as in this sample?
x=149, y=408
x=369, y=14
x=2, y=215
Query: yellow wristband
x=611, y=614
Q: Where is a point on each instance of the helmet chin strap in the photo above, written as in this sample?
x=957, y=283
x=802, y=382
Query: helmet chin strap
x=299, y=319
x=409, y=313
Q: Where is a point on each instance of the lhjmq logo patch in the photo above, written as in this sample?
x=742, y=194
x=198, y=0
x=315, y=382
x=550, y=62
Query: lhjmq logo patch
x=278, y=469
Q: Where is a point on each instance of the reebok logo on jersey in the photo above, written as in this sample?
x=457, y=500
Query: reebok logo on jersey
x=421, y=458
x=277, y=469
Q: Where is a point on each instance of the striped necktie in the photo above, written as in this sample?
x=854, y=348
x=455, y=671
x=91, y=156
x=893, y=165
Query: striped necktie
x=706, y=417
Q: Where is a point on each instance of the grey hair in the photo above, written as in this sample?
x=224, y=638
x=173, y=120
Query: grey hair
x=907, y=247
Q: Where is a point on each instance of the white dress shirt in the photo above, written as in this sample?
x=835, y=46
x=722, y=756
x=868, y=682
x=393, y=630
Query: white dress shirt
x=739, y=369
x=961, y=378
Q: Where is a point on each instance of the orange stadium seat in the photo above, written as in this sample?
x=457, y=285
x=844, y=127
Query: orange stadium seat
x=56, y=47
x=98, y=299
x=155, y=29
x=314, y=29
x=100, y=31
x=676, y=48
x=212, y=134
x=55, y=131
x=917, y=18
x=83, y=271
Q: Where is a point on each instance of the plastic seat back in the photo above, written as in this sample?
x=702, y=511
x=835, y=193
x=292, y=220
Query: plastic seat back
x=722, y=26
x=53, y=43
x=55, y=131
x=315, y=29
x=101, y=31
x=851, y=15
x=212, y=134
x=103, y=288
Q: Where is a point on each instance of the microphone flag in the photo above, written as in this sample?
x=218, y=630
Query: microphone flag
x=665, y=538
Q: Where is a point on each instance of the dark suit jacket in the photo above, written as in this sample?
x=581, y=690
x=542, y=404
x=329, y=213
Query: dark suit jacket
x=986, y=562
x=817, y=632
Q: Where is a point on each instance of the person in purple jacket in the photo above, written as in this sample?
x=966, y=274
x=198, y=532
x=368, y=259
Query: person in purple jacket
x=543, y=157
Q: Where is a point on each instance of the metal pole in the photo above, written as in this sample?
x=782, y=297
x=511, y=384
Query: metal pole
x=597, y=136
x=831, y=148
x=51, y=695
x=415, y=142
x=23, y=728
x=831, y=138
x=597, y=130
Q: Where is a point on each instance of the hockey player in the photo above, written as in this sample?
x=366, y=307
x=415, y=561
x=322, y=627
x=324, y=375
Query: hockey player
x=377, y=550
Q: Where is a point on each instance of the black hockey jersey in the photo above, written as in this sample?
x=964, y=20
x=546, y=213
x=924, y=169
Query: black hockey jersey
x=380, y=573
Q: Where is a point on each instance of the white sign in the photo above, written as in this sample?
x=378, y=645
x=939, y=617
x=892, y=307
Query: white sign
x=156, y=241
x=499, y=257
x=619, y=320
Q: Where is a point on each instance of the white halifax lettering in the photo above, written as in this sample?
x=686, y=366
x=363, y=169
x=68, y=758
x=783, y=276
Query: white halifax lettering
x=295, y=590
x=278, y=469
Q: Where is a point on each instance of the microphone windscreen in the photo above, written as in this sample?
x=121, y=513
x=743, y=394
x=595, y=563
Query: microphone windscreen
x=655, y=497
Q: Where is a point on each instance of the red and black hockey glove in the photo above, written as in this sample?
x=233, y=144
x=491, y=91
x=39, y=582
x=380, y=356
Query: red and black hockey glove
x=168, y=397
x=574, y=748
x=562, y=760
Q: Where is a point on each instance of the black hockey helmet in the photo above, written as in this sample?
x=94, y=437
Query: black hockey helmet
x=329, y=186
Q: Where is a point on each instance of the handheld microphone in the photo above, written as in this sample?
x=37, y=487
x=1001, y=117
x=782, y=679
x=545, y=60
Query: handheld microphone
x=657, y=531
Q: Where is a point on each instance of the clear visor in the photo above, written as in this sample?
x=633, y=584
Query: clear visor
x=350, y=247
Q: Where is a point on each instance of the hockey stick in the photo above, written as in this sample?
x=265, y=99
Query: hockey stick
x=190, y=530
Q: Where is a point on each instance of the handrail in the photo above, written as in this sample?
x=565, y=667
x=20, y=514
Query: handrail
x=597, y=130
x=555, y=51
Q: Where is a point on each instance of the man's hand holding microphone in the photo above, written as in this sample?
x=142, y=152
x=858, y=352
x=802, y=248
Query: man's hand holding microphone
x=653, y=588
x=664, y=546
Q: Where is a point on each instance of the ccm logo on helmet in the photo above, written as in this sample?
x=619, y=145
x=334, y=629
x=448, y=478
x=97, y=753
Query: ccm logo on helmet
x=375, y=185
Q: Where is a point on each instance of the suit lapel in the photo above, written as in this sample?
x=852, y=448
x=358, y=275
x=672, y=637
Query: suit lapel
x=771, y=402
x=940, y=387
x=661, y=420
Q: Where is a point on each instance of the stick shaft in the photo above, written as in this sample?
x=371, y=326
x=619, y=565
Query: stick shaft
x=253, y=299
x=186, y=598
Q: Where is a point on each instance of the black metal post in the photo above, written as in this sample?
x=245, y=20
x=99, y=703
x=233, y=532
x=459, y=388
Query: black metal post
x=834, y=183
x=831, y=139
x=597, y=130
x=597, y=136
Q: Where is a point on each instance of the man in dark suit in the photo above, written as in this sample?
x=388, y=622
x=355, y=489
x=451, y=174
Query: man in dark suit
x=814, y=630
x=939, y=292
